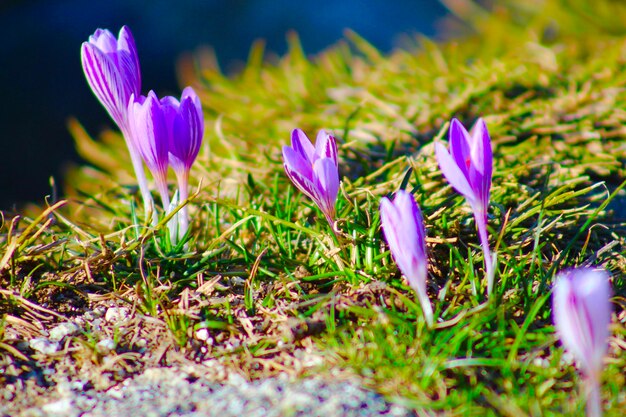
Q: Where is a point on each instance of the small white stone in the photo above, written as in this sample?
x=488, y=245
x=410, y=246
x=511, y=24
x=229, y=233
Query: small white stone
x=237, y=281
x=202, y=334
x=43, y=345
x=116, y=393
x=237, y=380
x=115, y=314
x=62, y=407
x=62, y=330
x=105, y=346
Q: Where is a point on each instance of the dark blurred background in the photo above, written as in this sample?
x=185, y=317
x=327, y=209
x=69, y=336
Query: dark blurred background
x=42, y=84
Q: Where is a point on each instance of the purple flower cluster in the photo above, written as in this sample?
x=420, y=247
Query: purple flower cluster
x=167, y=132
x=162, y=132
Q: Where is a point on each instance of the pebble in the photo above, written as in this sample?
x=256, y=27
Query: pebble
x=105, y=346
x=43, y=345
x=62, y=330
x=202, y=334
x=60, y=408
x=116, y=314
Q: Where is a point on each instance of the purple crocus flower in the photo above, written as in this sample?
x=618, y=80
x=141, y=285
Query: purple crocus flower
x=112, y=69
x=314, y=169
x=149, y=133
x=582, y=314
x=404, y=231
x=468, y=168
x=185, y=126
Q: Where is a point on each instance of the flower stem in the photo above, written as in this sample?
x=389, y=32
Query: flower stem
x=183, y=214
x=481, y=225
x=427, y=308
x=140, y=174
x=594, y=399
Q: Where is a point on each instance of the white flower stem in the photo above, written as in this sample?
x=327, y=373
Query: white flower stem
x=481, y=225
x=161, y=184
x=427, y=308
x=140, y=174
x=594, y=398
x=183, y=214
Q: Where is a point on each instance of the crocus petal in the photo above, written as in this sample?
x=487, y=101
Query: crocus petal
x=412, y=221
x=582, y=313
x=186, y=136
x=112, y=70
x=459, y=138
x=149, y=133
x=295, y=162
x=303, y=183
x=189, y=92
x=104, y=40
x=326, y=146
x=301, y=144
x=453, y=173
x=399, y=237
x=128, y=60
x=105, y=82
x=327, y=182
x=170, y=107
x=480, y=148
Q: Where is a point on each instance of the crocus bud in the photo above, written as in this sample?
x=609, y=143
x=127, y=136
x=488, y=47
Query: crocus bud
x=314, y=169
x=468, y=168
x=149, y=134
x=404, y=231
x=185, y=126
x=582, y=314
x=112, y=70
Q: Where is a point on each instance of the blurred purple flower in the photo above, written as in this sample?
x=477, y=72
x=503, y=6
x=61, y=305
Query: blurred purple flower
x=468, y=168
x=149, y=133
x=582, y=314
x=185, y=127
x=112, y=69
x=404, y=231
x=314, y=169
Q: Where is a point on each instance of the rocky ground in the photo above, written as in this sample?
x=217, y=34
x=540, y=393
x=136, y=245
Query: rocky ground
x=170, y=392
x=108, y=362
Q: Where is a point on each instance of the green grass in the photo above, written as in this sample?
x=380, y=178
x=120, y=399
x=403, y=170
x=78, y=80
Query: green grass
x=264, y=274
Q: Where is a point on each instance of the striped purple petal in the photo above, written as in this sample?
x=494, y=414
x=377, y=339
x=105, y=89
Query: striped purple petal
x=327, y=185
x=453, y=173
x=326, y=146
x=301, y=144
x=149, y=133
x=111, y=67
